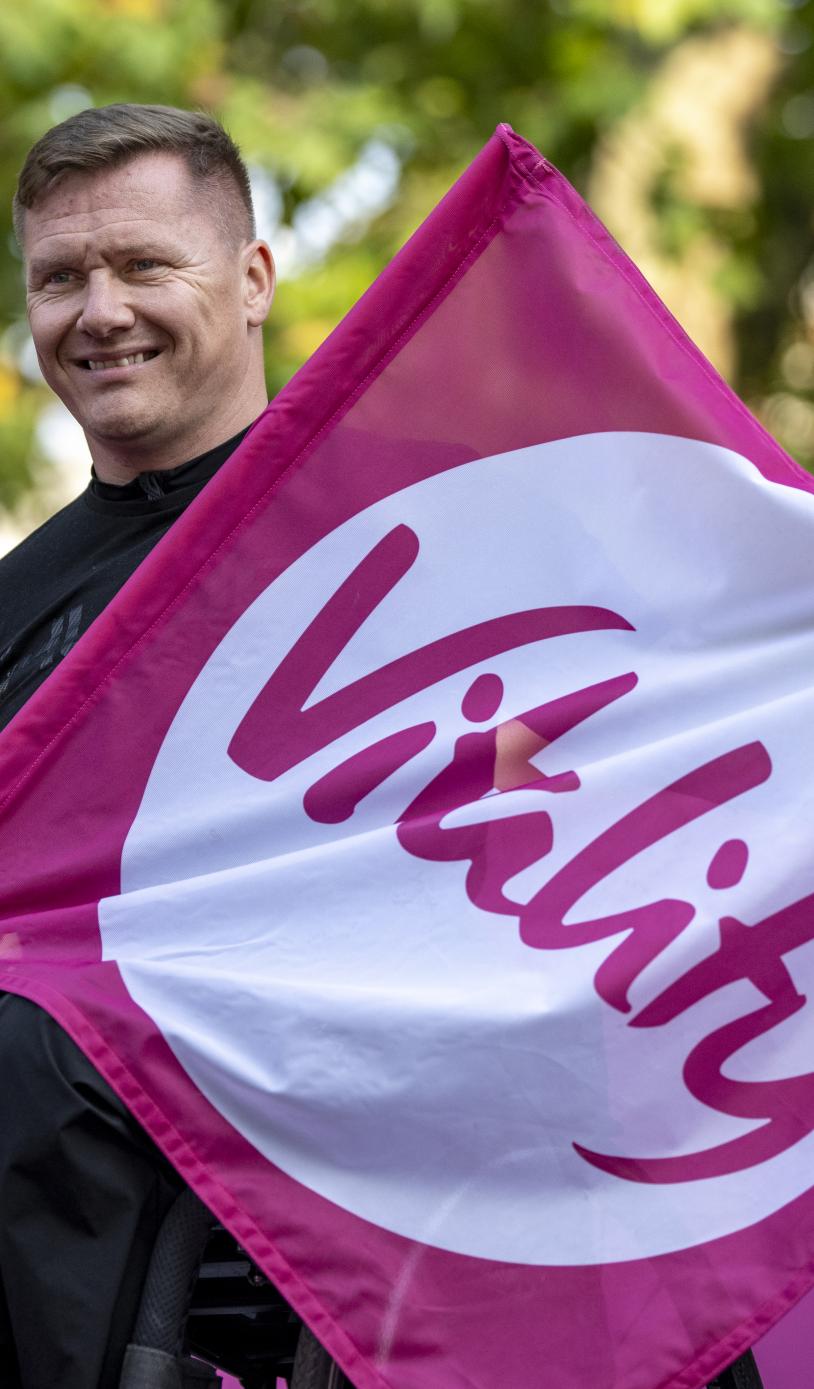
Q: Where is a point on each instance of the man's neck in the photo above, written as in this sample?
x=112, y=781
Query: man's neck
x=120, y=465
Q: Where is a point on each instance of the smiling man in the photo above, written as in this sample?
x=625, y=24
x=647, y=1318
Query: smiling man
x=147, y=290
x=146, y=301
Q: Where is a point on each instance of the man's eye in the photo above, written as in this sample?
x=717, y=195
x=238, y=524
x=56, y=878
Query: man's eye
x=145, y=263
x=59, y=277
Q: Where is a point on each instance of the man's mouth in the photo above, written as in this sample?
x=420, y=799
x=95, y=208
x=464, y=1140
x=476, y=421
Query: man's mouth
x=132, y=359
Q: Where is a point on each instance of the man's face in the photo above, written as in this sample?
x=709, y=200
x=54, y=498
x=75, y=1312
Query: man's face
x=145, y=313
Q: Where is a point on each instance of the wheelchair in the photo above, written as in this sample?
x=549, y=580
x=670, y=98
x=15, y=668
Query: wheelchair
x=206, y=1304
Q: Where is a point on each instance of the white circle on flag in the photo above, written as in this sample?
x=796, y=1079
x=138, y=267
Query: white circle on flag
x=348, y=1007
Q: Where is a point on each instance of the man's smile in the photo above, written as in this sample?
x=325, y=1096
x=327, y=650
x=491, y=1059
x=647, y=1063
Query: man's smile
x=123, y=360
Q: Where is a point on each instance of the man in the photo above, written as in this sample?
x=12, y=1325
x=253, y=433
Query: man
x=147, y=290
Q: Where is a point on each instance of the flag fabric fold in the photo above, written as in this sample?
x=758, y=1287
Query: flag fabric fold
x=420, y=841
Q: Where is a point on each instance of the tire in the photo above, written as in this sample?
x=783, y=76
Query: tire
x=313, y=1366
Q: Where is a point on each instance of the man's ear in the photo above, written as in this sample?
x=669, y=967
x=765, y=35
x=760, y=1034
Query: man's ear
x=259, y=278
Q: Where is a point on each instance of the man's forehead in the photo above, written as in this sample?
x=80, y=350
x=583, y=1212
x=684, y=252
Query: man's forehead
x=150, y=192
x=161, y=177
x=72, y=239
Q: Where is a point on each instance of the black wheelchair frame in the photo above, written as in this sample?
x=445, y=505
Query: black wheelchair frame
x=205, y=1303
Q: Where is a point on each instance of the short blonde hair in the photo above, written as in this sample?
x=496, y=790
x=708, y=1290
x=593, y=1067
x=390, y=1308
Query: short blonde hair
x=105, y=136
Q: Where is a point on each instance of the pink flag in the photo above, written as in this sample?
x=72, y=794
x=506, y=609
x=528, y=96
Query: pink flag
x=421, y=843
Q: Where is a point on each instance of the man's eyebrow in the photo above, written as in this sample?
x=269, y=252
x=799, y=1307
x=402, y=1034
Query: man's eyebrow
x=40, y=266
x=44, y=265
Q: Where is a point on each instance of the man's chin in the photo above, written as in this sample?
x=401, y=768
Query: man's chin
x=123, y=429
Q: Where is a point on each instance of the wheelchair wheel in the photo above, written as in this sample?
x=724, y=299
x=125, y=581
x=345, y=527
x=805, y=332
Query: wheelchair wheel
x=313, y=1366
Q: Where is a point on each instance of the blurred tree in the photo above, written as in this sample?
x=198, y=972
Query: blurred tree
x=688, y=121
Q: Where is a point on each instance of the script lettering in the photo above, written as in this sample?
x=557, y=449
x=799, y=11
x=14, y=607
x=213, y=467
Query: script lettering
x=652, y=927
x=498, y=759
x=746, y=953
x=279, y=731
x=282, y=729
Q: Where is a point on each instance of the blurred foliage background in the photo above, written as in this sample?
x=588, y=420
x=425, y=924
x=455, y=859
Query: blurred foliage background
x=688, y=124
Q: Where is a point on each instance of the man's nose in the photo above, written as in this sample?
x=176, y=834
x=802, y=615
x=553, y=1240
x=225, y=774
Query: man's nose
x=106, y=308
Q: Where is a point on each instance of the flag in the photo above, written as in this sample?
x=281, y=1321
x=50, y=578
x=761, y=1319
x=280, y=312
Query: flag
x=420, y=843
